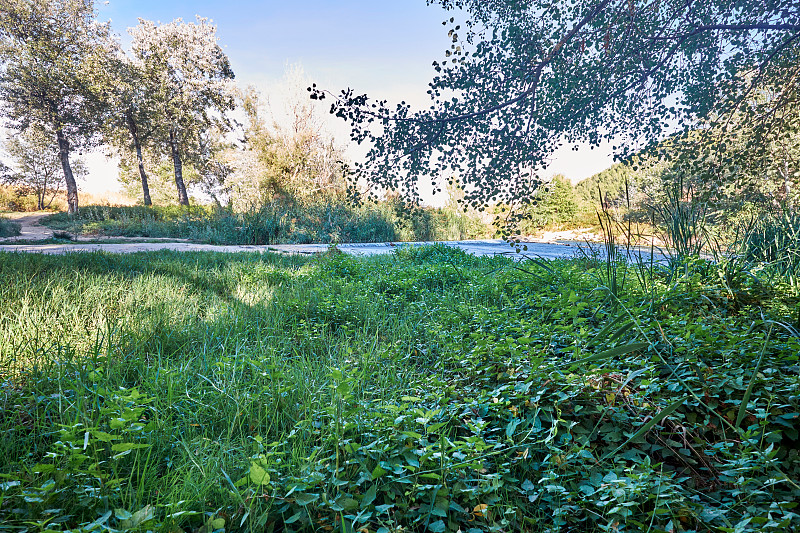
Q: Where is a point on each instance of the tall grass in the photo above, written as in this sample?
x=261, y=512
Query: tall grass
x=774, y=238
x=277, y=222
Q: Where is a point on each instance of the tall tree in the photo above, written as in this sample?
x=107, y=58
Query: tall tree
x=132, y=117
x=522, y=77
x=189, y=76
x=50, y=51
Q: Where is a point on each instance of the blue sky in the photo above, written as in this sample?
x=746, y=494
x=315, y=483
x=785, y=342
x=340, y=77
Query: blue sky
x=382, y=48
x=373, y=45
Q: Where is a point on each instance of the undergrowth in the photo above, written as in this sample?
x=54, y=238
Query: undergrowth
x=423, y=391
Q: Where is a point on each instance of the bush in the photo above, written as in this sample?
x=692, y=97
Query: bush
x=774, y=241
x=9, y=228
x=555, y=204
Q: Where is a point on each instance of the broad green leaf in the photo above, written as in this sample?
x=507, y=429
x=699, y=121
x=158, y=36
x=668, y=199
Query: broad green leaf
x=379, y=471
x=103, y=436
x=369, y=496
x=258, y=475
x=294, y=518
x=437, y=527
x=141, y=516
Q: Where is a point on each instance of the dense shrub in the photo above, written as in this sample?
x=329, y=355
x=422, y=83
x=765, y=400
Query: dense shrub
x=774, y=240
x=9, y=228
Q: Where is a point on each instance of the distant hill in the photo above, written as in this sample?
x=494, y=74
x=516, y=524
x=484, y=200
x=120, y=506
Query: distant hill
x=611, y=181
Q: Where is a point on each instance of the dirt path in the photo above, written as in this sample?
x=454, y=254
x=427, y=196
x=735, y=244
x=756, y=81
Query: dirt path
x=31, y=229
x=487, y=247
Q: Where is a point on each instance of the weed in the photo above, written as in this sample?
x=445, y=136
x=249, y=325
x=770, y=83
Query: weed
x=273, y=223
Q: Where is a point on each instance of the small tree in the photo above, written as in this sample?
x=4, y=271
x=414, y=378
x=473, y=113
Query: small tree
x=293, y=157
x=556, y=202
x=37, y=166
x=50, y=53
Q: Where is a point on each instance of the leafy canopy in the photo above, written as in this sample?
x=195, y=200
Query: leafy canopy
x=523, y=77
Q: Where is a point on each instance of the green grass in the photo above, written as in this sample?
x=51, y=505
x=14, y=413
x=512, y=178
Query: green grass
x=426, y=390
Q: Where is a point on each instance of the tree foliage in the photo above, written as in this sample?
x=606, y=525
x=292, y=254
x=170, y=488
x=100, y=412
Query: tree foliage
x=611, y=181
x=523, y=77
x=291, y=156
x=131, y=125
x=751, y=153
x=556, y=202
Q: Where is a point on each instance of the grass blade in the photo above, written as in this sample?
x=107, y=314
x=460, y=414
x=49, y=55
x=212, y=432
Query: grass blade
x=619, y=350
x=749, y=391
x=664, y=413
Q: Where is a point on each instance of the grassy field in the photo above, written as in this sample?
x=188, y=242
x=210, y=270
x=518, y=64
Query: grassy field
x=423, y=391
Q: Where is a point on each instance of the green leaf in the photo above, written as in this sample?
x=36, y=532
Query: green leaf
x=379, y=471
x=294, y=518
x=103, y=436
x=128, y=446
x=437, y=527
x=258, y=475
x=100, y=521
x=141, y=516
x=369, y=496
x=410, y=399
x=352, y=447
x=348, y=504
x=749, y=391
x=303, y=498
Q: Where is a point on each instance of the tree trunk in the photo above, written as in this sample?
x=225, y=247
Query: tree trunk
x=72, y=187
x=135, y=134
x=183, y=198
